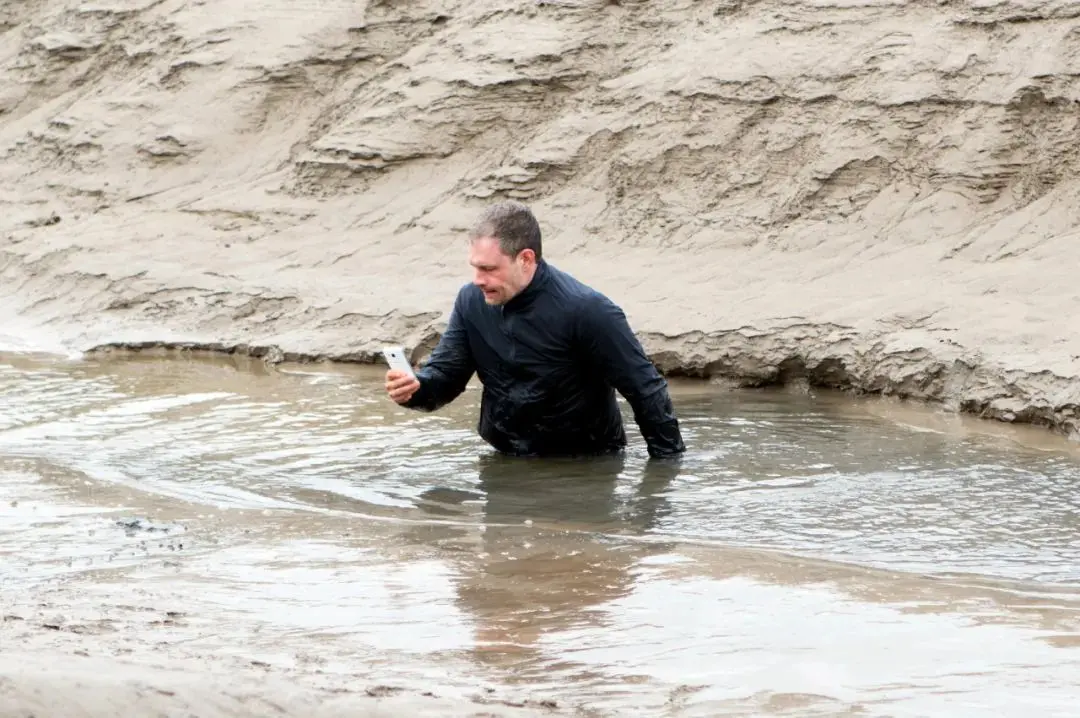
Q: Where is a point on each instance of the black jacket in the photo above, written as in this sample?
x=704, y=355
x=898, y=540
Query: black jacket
x=550, y=361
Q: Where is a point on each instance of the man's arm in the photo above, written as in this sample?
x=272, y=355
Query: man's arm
x=450, y=367
x=616, y=352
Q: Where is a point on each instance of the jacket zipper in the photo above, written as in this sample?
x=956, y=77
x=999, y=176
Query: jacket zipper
x=509, y=319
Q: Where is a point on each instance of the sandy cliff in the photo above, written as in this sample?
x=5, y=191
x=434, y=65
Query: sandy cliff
x=879, y=195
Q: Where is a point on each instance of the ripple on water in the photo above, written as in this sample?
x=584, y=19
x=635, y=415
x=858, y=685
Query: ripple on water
x=886, y=495
x=774, y=470
x=323, y=516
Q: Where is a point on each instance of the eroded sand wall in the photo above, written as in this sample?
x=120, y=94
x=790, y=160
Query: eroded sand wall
x=877, y=195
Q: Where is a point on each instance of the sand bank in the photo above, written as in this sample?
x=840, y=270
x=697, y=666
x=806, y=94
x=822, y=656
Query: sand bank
x=865, y=194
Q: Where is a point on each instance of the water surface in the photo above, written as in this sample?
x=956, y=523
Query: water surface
x=811, y=555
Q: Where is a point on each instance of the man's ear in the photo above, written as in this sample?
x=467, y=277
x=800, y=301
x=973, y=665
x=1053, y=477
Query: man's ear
x=528, y=256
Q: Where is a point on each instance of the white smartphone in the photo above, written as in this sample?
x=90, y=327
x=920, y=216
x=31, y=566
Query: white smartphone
x=396, y=359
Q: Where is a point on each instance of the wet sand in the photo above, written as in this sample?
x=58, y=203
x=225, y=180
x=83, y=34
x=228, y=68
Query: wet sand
x=233, y=539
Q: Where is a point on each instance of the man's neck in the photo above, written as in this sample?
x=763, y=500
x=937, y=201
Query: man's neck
x=528, y=280
x=533, y=278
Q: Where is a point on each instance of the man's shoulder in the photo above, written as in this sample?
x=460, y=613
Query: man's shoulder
x=581, y=295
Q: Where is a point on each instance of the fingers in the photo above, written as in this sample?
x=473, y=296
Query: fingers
x=394, y=383
x=400, y=386
x=404, y=393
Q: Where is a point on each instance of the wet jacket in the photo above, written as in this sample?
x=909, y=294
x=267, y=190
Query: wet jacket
x=550, y=360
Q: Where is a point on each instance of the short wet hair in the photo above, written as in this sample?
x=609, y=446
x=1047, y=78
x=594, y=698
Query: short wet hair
x=513, y=224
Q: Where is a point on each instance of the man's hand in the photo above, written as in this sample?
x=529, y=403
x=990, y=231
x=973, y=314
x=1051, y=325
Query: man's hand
x=400, y=386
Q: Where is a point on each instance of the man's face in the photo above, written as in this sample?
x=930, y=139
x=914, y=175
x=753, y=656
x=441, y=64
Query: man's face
x=497, y=274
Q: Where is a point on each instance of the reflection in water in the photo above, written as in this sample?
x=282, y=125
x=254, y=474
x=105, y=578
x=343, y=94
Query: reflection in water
x=805, y=557
x=545, y=555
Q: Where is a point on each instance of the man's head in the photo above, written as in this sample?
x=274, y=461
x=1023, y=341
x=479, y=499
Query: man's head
x=504, y=248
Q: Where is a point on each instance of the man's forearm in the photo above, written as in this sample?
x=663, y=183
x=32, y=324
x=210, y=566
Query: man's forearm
x=422, y=399
x=659, y=426
x=622, y=361
x=451, y=366
x=436, y=390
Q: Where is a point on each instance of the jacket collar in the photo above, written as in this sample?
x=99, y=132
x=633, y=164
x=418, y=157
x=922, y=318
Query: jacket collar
x=534, y=288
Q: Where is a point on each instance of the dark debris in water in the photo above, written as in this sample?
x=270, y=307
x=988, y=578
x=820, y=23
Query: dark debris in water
x=545, y=703
x=135, y=524
x=383, y=691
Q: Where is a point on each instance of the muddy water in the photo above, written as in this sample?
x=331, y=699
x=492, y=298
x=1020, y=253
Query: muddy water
x=290, y=529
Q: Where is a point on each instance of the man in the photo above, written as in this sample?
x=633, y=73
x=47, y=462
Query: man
x=549, y=350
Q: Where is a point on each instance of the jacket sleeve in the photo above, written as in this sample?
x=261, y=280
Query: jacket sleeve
x=615, y=352
x=450, y=367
